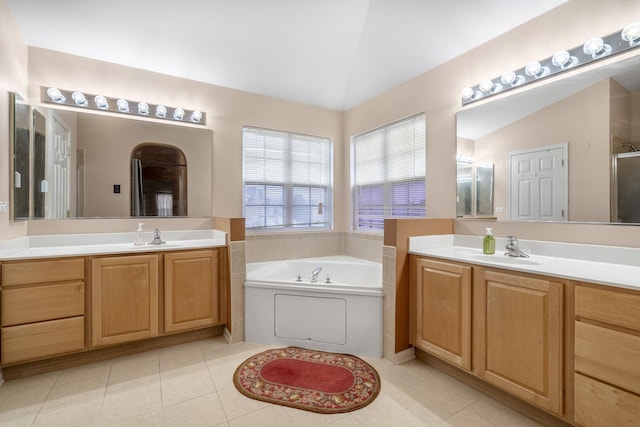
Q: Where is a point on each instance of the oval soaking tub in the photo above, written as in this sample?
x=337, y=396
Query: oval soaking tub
x=341, y=314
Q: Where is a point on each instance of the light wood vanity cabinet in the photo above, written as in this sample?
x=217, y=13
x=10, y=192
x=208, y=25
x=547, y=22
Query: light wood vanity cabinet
x=607, y=356
x=443, y=310
x=124, y=298
x=191, y=290
x=520, y=336
x=43, y=308
x=504, y=327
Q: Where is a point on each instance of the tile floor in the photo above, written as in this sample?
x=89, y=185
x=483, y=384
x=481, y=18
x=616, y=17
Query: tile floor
x=192, y=385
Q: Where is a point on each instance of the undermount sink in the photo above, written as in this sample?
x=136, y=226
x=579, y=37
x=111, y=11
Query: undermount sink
x=505, y=259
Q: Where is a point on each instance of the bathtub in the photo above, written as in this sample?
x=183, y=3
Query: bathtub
x=282, y=306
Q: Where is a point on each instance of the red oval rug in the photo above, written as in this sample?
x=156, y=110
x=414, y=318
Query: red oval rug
x=311, y=380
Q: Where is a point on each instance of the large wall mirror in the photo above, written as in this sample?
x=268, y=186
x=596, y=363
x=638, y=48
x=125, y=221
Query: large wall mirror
x=567, y=150
x=82, y=166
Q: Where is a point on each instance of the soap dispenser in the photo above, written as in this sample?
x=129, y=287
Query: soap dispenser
x=139, y=235
x=489, y=243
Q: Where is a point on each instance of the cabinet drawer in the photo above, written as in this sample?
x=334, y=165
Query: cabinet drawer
x=608, y=355
x=616, y=307
x=43, y=339
x=598, y=404
x=58, y=270
x=38, y=303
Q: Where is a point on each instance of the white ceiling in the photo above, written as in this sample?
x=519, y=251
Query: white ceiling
x=329, y=53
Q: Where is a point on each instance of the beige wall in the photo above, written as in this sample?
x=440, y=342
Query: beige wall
x=13, y=78
x=436, y=92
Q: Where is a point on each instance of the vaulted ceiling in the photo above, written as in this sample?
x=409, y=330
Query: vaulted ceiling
x=328, y=53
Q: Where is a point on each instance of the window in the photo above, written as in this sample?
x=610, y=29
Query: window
x=389, y=168
x=287, y=180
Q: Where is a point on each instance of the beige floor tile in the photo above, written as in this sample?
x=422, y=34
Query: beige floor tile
x=312, y=419
x=178, y=388
x=385, y=411
x=202, y=411
x=83, y=414
x=222, y=372
x=136, y=361
x=132, y=398
x=271, y=416
x=236, y=404
x=348, y=421
x=98, y=369
x=500, y=415
x=73, y=393
x=145, y=419
x=467, y=418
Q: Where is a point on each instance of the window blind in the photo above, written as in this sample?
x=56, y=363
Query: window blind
x=389, y=169
x=287, y=180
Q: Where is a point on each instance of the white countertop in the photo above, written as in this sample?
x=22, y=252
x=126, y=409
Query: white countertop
x=65, y=245
x=606, y=265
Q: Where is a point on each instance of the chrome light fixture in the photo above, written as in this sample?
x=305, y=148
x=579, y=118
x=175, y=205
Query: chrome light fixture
x=79, y=99
x=592, y=50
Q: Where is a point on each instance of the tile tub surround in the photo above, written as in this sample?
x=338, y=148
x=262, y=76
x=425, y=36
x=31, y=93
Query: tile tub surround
x=105, y=243
x=606, y=265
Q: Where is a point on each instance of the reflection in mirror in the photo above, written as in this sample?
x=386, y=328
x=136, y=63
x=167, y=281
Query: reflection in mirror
x=474, y=196
x=595, y=112
x=20, y=147
x=83, y=164
x=158, y=181
x=627, y=181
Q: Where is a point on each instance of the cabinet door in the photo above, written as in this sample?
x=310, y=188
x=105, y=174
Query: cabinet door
x=443, y=311
x=520, y=336
x=124, y=298
x=191, y=290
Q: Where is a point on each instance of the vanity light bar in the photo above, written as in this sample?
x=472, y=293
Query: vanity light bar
x=592, y=50
x=82, y=100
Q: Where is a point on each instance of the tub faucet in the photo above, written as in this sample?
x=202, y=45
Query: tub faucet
x=156, y=238
x=314, y=275
x=513, y=249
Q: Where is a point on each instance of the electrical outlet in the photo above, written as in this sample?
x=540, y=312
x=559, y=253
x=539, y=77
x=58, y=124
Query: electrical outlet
x=4, y=208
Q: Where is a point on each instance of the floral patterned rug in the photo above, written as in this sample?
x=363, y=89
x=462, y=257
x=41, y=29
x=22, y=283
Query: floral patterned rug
x=316, y=381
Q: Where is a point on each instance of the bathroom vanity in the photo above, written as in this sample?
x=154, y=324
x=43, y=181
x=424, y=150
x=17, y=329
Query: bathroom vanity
x=57, y=302
x=558, y=330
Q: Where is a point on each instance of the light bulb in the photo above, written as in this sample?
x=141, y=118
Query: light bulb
x=178, y=114
x=101, y=102
x=56, y=95
x=467, y=93
x=196, y=116
x=533, y=68
x=486, y=85
x=631, y=33
x=79, y=99
x=161, y=111
x=143, y=108
x=564, y=60
x=596, y=47
x=123, y=105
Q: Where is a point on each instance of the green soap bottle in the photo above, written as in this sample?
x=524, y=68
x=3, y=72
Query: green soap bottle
x=489, y=243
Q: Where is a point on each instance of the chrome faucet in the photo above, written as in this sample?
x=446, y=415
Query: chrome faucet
x=314, y=275
x=156, y=238
x=513, y=249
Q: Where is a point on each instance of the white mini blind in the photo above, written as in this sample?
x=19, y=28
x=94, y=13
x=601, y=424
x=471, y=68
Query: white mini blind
x=287, y=180
x=389, y=169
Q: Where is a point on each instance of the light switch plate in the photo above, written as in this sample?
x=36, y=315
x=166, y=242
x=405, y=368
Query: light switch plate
x=4, y=207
